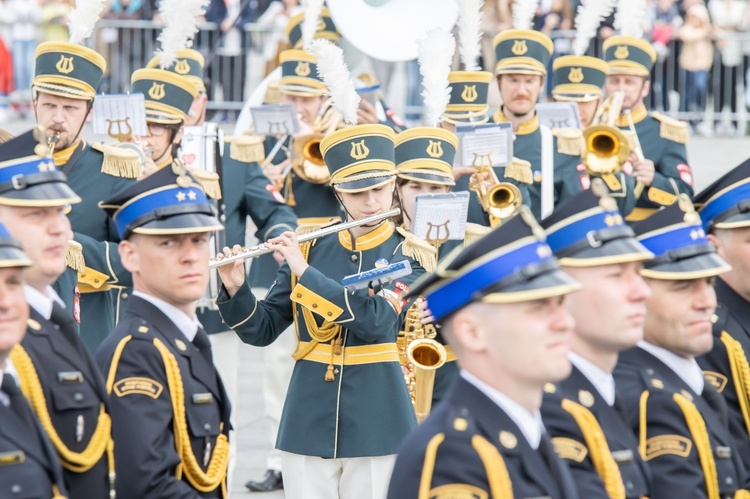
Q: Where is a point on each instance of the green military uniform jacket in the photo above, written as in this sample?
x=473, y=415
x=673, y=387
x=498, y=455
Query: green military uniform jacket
x=663, y=141
x=365, y=409
x=528, y=146
x=102, y=281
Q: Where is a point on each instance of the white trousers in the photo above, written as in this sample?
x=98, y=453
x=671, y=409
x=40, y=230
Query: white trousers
x=310, y=477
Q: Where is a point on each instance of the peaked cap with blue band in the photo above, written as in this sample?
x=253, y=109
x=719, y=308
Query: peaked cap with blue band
x=725, y=204
x=511, y=264
x=30, y=179
x=588, y=230
x=188, y=63
x=11, y=254
x=360, y=157
x=681, y=249
x=425, y=154
x=169, y=201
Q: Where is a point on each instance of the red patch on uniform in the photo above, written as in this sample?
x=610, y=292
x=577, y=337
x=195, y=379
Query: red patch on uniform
x=394, y=117
x=585, y=182
x=581, y=167
x=403, y=288
x=188, y=159
x=686, y=175
x=276, y=194
x=627, y=167
x=77, y=305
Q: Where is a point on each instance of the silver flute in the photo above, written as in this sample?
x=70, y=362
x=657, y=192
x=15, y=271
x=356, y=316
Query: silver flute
x=256, y=251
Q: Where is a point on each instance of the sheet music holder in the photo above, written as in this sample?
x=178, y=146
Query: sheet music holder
x=440, y=217
x=120, y=116
x=559, y=114
x=275, y=119
x=493, y=140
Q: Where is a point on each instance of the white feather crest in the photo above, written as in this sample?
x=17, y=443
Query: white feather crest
x=590, y=15
x=435, y=58
x=470, y=32
x=83, y=18
x=334, y=73
x=630, y=16
x=310, y=21
x=523, y=13
x=181, y=24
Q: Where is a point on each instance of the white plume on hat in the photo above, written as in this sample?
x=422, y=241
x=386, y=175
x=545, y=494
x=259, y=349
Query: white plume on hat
x=523, y=13
x=435, y=58
x=470, y=32
x=334, y=73
x=630, y=16
x=589, y=16
x=310, y=21
x=181, y=25
x=83, y=18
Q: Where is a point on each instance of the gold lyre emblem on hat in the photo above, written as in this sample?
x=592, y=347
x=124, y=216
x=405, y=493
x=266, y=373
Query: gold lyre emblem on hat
x=156, y=91
x=622, y=52
x=519, y=47
x=359, y=150
x=302, y=69
x=181, y=67
x=575, y=75
x=65, y=64
x=435, y=149
x=469, y=93
x=321, y=25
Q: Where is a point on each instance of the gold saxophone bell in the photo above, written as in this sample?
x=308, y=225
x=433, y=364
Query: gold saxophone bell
x=500, y=200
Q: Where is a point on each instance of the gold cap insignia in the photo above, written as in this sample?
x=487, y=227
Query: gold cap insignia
x=508, y=440
x=469, y=93
x=460, y=424
x=687, y=395
x=65, y=65
x=585, y=398
x=302, y=69
x=622, y=52
x=435, y=149
x=156, y=91
x=657, y=383
x=143, y=329
x=359, y=150
x=180, y=344
x=179, y=169
x=549, y=388
x=691, y=216
x=34, y=324
x=519, y=47
x=575, y=75
x=182, y=67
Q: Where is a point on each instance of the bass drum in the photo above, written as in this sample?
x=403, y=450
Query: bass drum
x=388, y=30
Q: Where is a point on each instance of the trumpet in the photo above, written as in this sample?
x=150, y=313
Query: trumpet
x=52, y=143
x=256, y=251
x=499, y=199
x=607, y=148
x=639, y=186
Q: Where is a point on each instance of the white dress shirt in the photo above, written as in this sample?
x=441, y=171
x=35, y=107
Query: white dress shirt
x=529, y=423
x=188, y=326
x=602, y=381
x=42, y=301
x=9, y=369
x=687, y=369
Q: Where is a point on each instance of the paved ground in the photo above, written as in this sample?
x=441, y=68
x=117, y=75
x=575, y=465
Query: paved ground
x=709, y=159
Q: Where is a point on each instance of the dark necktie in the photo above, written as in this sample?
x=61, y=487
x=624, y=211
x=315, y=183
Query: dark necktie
x=619, y=407
x=553, y=463
x=717, y=403
x=66, y=323
x=203, y=344
x=18, y=403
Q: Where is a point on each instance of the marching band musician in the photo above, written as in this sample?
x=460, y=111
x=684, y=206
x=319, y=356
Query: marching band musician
x=680, y=420
x=347, y=408
x=170, y=412
x=500, y=304
x=29, y=463
x=726, y=220
x=56, y=372
x=664, y=171
x=581, y=413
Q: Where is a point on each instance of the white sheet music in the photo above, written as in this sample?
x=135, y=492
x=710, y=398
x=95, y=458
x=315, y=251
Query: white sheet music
x=493, y=140
x=440, y=216
x=558, y=114
x=275, y=119
x=119, y=115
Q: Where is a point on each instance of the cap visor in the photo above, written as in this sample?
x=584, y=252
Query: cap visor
x=428, y=178
x=47, y=194
x=363, y=184
x=624, y=250
x=546, y=285
x=705, y=265
x=734, y=222
x=187, y=223
x=13, y=257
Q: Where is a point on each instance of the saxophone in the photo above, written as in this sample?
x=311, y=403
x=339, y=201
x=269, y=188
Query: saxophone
x=422, y=356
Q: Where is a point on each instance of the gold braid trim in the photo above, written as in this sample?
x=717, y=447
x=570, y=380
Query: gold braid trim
x=605, y=465
x=699, y=433
x=519, y=170
x=418, y=249
x=740, y=370
x=217, y=468
x=430, y=456
x=742, y=494
x=101, y=440
x=497, y=473
x=642, y=424
x=56, y=493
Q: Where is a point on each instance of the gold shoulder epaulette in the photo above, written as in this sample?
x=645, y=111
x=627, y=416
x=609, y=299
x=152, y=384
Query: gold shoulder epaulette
x=306, y=229
x=474, y=232
x=519, y=170
x=119, y=162
x=570, y=141
x=209, y=181
x=671, y=128
x=246, y=148
x=418, y=249
x=74, y=256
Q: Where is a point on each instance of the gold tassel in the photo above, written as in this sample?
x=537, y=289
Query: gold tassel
x=246, y=148
x=74, y=256
x=118, y=162
x=418, y=249
x=330, y=376
x=337, y=349
x=474, y=232
x=570, y=141
x=672, y=129
x=289, y=195
x=209, y=181
x=519, y=170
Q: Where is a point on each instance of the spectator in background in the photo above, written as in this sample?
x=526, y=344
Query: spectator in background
x=55, y=20
x=274, y=41
x=123, y=48
x=496, y=17
x=26, y=14
x=554, y=15
x=6, y=61
x=696, y=59
x=664, y=19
